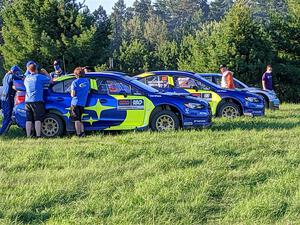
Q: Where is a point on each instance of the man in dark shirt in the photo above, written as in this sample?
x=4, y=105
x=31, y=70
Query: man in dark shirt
x=267, y=79
x=7, y=97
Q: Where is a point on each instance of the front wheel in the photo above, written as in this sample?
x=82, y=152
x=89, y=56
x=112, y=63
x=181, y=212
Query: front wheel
x=229, y=110
x=52, y=126
x=164, y=120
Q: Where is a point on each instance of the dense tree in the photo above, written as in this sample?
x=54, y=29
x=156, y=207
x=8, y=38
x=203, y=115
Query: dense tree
x=237, y=41
x=117, y=21
x=69, y=33
x=218, y=8
x=133, y=57
x=285, y=32
x=142, y=9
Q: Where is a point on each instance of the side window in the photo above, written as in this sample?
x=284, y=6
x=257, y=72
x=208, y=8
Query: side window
x=63, y=87
x=157, y=81
x=184, y=82
x=238, y=85
x=189, y=83
x=116, y=87
x=102, y=86
x=217, y=80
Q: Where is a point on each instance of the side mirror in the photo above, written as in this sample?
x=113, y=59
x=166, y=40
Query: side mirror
x=195, y=88
x=124, y=93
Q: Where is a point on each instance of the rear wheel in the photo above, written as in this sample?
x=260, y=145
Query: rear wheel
x=164, y=120
x=52, y=126
x=229, y=110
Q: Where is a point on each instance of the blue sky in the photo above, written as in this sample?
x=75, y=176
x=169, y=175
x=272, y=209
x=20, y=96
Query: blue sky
x=107, y=4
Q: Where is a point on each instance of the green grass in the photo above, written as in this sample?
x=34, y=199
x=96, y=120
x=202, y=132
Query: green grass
x=244, y=171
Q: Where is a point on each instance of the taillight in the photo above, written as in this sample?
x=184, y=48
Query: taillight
x=20, y=97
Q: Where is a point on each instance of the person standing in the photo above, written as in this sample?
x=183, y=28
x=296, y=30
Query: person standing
x=35, y=108
x=267, y=79
x=79, y=93
x=7, y=98
x=227, y=78
x=58, y=72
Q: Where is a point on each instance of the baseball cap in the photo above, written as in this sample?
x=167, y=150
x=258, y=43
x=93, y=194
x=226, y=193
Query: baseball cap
x=30, y=63
x=222, y=66
x=15, y=69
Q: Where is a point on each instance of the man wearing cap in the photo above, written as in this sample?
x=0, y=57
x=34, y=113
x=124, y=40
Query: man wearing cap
x=57, y=70
x=227, y=78
x=7, y=97
x=27, y=66
x=35, y=109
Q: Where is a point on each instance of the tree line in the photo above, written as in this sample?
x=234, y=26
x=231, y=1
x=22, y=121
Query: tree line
x=196, y=35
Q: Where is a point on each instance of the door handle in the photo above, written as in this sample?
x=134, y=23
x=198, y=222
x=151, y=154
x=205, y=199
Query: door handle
x=103, y=101
x=60, y=99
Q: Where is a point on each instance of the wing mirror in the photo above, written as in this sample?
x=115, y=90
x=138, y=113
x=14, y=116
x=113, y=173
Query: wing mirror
x=124, y=93
x=195, y=88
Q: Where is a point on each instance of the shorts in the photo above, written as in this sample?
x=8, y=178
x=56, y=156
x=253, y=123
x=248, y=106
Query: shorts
x=35, y=111
x=76, y=113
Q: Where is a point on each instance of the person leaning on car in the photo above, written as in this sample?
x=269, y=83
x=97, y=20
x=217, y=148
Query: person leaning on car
x=267, y=79
x=227, y=78
x=8, y=96
x=79, y=93
x=35, y=109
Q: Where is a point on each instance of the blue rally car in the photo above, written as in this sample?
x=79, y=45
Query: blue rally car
x=270, y=97
x=117, y=102
x=224, y=102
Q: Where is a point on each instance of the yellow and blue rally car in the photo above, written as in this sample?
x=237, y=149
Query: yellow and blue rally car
x=118, y=102
x=224, y=102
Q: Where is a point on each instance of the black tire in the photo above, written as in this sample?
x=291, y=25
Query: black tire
x=52, y=126
x=164, y=120
x=229, y=110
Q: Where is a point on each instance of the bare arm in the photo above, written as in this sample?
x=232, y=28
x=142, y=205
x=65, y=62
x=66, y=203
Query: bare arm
x=264, y=84
x=73, y=93
x=43, y=71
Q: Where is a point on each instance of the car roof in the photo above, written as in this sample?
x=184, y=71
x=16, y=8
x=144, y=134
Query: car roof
x=164, y=72
x=111, y=74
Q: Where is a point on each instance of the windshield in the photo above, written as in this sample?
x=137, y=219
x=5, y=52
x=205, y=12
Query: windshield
x=144, y=86
x=207, y=81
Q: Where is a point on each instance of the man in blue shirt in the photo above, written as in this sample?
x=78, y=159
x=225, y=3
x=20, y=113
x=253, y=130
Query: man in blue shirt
x=267, y=79
x=35, y=109
x=79, y=92
x=27, y=66
x=7, y=97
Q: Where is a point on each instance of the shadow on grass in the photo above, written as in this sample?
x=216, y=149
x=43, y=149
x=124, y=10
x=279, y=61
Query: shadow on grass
x=40, y=209
x=254, y=125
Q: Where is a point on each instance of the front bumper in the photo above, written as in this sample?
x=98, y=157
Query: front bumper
x=197, y=119
x=254, y=109
x=274, y=104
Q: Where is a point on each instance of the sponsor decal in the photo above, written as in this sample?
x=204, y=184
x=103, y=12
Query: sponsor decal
x=132, y=104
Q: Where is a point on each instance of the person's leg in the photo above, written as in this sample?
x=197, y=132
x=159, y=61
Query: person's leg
x=29, y=119
x=28, y=128
x=78, y=127
x=7, y=113
x=38, y=128
x=82, y=127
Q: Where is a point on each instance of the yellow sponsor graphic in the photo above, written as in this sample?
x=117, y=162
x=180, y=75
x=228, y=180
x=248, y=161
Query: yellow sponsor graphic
x=213, y=98
x=98, y=108
x=135, y=117
x=143, y=75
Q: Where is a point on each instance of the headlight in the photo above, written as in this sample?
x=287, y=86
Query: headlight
x=194, y=106
x=252, y=99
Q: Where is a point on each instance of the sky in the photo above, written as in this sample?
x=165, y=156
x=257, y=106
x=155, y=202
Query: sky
x=107, y=4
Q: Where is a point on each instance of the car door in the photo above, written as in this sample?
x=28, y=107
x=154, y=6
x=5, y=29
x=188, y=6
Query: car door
x=121, y=105
x=197, y=89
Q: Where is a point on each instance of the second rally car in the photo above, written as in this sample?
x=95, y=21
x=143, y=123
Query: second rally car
x=224, y=102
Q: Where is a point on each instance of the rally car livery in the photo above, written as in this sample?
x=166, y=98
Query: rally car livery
x=224, y=102
x=271, y=100
x=118, y=102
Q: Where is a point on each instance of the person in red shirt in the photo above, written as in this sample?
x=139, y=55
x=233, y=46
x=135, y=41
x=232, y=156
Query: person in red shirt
x=227, y=78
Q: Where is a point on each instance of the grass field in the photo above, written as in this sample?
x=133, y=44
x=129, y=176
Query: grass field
x=244, y=171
